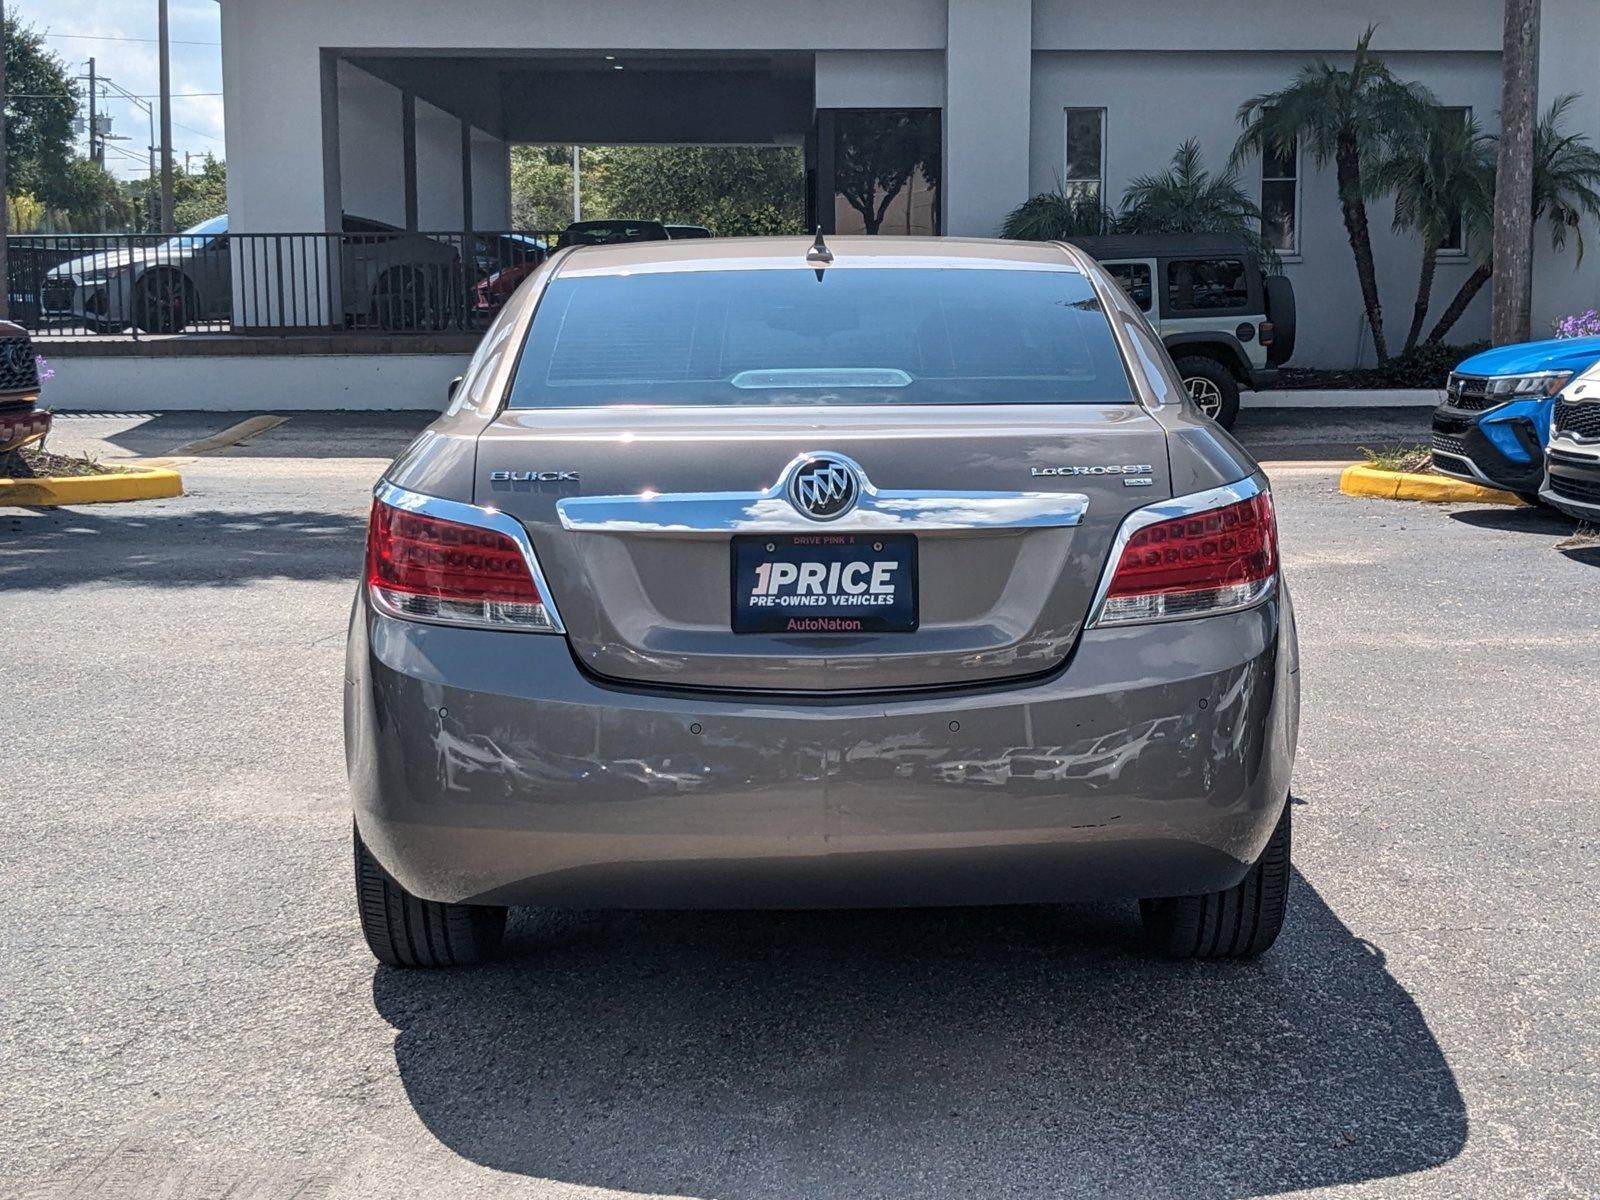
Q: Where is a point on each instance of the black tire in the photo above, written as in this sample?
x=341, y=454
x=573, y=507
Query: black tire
x=1279, y=293
x=403, y=930
x=1239, y=923
x=1212, y=388
x=164, y=303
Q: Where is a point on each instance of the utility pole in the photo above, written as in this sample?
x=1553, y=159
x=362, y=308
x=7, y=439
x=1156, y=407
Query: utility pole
x=5, y=207
x=166, y=117
x=96, y=155
x=577, y=188
x=1513, y=191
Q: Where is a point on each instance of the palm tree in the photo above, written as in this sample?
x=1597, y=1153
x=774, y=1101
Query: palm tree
x=1349, y=118
x=1566, y=188
x=1442, y=184
x=1186, y=198
x=1057, y=216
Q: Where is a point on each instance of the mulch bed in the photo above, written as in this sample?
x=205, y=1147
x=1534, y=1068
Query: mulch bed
x=1292, y=379
x=28, y=463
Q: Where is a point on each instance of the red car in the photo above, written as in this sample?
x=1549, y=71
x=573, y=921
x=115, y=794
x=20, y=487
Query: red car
x=21, y=420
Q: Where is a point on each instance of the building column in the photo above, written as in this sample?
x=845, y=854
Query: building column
x=988, y=86
x=1569, y=31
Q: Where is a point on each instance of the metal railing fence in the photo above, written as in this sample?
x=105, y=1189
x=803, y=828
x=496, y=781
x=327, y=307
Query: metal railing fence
x=141, y=285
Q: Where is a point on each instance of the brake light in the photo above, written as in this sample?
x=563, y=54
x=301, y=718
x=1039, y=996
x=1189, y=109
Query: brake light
x=1266, y=332
x=424, y=567
x=1216, y=558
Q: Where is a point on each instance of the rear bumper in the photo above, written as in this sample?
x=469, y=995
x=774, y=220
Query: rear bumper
x=488, y=767
x=1573, y=479
x=21, y=425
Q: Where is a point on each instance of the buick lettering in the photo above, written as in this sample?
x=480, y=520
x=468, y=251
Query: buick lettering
x=773, y=572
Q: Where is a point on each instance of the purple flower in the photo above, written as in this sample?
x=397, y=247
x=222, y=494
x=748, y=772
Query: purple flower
x=44, y=368
x=1584, y=324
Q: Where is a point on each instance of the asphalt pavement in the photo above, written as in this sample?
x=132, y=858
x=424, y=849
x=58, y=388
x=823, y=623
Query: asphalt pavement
x=187, y=1010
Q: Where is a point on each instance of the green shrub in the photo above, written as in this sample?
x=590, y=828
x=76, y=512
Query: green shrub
x=1427, y=366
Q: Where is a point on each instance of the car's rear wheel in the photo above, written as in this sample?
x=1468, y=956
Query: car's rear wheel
x=403, y=930
x=164, y=302
x=1239, y=923
x=1214, y=391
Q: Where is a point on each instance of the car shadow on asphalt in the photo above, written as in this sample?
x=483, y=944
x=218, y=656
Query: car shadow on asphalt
x=1576, y=540
x=956, y=1052
x=301, y=435
x=148, y=546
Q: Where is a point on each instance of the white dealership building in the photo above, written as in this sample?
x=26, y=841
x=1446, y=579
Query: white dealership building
x=403, y=111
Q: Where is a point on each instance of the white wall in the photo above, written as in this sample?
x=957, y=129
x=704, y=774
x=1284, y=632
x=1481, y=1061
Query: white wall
x=1298, y=25
x=1163, y=70
x=1154, y=101
x=253, y=382
x=491, y=182
x=880, y=79
x=986, y=113
x=371, y=147
x=439, y=203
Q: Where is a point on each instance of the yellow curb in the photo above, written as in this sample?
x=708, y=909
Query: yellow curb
x=1402, y=485
x=48, y=491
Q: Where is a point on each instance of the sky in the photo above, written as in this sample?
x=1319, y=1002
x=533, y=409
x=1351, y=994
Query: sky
x=121, y=35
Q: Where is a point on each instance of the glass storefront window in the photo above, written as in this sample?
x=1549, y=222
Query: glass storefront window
x=878, y=170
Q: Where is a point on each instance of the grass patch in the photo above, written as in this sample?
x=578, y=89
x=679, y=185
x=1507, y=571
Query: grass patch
x=1413, y=459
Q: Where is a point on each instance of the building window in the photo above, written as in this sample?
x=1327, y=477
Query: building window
x=1086, y=153
x=1455, y=242
x=1280, y=198
x=878, y=170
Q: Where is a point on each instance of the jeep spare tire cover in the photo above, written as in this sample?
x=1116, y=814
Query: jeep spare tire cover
x=1279, y=294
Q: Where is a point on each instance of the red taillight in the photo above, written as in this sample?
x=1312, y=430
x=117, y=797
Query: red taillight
x=1214, y=560
x=432, y=569
x=1266, y=333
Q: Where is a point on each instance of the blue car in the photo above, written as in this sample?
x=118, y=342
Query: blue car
x=1495, y=419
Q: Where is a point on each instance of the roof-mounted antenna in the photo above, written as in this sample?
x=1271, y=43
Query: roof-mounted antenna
x=819, y=256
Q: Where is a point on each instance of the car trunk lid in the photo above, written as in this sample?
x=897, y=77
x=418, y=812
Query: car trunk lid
x=1004, y=585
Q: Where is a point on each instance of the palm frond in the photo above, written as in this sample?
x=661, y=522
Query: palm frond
x=1056, y=216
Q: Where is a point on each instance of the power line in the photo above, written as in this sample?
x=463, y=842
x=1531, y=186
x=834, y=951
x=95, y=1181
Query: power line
x=103, y=37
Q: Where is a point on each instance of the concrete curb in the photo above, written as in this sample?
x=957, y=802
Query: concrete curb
x=50, y=491
x=1402, y=485
x=1345, y=398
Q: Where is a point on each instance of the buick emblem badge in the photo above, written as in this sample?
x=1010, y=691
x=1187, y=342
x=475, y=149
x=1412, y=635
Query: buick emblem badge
x=824, y=487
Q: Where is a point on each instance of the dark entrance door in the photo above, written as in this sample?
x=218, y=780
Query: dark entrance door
x=877, y=170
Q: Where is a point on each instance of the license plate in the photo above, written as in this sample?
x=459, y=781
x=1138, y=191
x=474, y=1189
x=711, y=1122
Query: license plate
x=825, y=583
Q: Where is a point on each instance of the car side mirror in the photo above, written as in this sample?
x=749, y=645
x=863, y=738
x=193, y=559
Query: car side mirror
x=452, y=387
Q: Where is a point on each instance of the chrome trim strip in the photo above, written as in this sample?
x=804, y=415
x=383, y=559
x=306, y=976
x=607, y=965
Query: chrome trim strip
x=722, y=513
x=1472, y=474
x=1166, y=510
x=484, y=518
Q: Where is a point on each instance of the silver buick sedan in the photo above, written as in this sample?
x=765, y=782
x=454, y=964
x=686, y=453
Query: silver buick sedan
x=779, y=573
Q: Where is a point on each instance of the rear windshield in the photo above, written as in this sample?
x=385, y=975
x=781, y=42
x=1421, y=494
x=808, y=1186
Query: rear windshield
x=856, y=336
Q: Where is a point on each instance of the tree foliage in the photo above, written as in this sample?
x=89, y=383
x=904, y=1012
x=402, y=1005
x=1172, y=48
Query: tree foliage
x=1184, y=198
x=1187, y=198
x=732, y=190
x=1350, y=117
x=202, y=195
x=1442, y=182
x=1058, y=216
x=41, y=104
